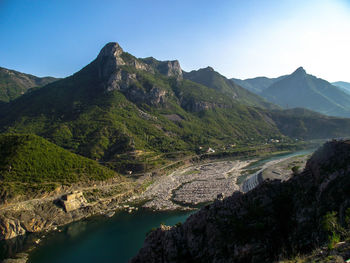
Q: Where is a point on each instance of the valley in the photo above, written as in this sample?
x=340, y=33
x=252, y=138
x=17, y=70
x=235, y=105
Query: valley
x=187, y=189
x=127, y=134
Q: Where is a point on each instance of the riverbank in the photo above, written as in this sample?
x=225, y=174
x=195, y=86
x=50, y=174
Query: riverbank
x=195, y=185
x=184, y=189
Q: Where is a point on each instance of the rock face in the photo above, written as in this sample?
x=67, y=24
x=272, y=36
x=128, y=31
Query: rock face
x=10, y=228
x=275, y=220
x=167, y=68
x=40, y=215
x=110, y=63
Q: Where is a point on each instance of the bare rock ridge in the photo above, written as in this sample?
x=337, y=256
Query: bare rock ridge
x=274, y=221
x=167, y=68
x=111, y=63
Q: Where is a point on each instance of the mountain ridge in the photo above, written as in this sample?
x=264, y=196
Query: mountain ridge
x=14, y=83
x=304, y=90
x=119, y=104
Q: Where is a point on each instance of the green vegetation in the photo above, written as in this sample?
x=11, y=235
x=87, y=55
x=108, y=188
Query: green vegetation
x=14, y=84
x=214, y=80
x=127, y=129
x=30, y=165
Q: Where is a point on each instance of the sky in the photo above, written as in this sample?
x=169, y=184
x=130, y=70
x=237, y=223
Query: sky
x=238, y=38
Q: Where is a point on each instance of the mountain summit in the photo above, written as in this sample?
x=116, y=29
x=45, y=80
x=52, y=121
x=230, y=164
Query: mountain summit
x=304, y=90
x=127, y=111
x=300, y=71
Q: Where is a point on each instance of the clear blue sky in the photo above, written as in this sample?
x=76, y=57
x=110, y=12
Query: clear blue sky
x=242, y=38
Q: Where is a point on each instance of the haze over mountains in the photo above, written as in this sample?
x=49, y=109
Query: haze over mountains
x=345, y=86
x=300, y=89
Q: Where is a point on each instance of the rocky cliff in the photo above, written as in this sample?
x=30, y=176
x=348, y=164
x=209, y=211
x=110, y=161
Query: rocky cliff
x=113, y=64
x=276, y=220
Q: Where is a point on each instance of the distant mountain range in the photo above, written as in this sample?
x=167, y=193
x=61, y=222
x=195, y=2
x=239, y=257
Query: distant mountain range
x=127, y=112
x=258, y=84
x=14, y=84
x=300, y=89
x=212, y=79
x=345, y=86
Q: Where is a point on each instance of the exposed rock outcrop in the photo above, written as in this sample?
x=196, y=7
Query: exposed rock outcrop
x=10, y=228
x=113, y=76
x=275, y=220
x=167, y=68
x=48, y=214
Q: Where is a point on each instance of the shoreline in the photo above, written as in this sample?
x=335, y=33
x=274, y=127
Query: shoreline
x=175, y=192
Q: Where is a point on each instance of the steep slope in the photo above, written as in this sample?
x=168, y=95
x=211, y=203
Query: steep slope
x=30, y=165
x=119, y=104
x=258, y=84
x=14, y=84
x=212, y=79
x=344, y=86
x=129, y=113
x=305, y=124
x=303, y=90
x=276, y=220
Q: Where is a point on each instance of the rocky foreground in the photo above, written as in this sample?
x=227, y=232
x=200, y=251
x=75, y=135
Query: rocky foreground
x=276, y=220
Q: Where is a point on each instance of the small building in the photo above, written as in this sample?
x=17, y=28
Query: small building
x=73, y=201
x=210, y=150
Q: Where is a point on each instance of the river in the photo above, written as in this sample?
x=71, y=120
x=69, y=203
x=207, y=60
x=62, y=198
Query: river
x=101, y=239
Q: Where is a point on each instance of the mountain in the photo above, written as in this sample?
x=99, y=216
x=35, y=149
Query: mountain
x=14, y=84
x=275, y=221
x=212, y=79
x=130, y=113
x=345, y=86
x=30, y=165
x=258, y=84
x=119, y=104
x=303, y=90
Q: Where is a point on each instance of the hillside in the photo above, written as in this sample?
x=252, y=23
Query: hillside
x=305, y=124
x=30, y=165
x=306, y=91
x=14, y=84
x=344, y=86
x=275, y=221
x=258, y=84
x=212, y=79
x=128, y=113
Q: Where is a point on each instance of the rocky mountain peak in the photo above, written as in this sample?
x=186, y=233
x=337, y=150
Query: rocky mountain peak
x=299, y=71
x=173, y=69
x=111, y=49
x=109, y=60
x=169, y=68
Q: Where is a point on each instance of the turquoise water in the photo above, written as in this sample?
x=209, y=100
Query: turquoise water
x=102, y=239
x=280, y=156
